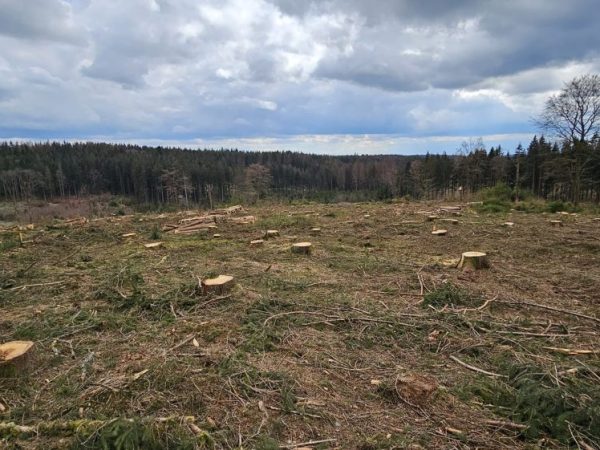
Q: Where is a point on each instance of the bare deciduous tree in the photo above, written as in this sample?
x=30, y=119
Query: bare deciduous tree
x=574, y=114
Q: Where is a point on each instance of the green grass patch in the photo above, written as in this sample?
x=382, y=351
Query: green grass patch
x=452, y=296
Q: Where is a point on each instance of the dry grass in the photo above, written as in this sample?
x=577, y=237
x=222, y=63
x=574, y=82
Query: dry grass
x=304, y=347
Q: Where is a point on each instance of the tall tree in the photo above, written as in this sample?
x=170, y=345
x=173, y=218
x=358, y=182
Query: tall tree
x=574, y=113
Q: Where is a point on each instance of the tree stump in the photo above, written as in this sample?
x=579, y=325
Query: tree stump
x=153, y=245
x=432, y=218
x=556, y=223
x=415, y=388
x=127, y=235
x=216, y=235
x=439, y=232
x=473, y=261
x=256, y=243
x=302, y=248
x=315, y=231
x=508, y=224
x=366, y=216
x=219, y=285
x=271, y=234
x=14, y=358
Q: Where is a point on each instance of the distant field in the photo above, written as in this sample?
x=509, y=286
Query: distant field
x=364, y=344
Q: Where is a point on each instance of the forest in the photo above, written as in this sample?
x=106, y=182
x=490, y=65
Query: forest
x=160, y=175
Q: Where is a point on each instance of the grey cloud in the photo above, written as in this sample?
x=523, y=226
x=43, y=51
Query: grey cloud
x=39, y=20
x=260, y=67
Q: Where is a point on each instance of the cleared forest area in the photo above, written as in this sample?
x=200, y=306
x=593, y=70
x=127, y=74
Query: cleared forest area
x=373, y=339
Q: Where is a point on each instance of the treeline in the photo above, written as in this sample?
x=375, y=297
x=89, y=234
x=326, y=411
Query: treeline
x=169, y=175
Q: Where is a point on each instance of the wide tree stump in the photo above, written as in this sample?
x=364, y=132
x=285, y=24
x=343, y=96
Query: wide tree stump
x=256, y=243
x=556, y=223
x=439, y=232
x=508, y=224
x=216, y=235
x=473, y=261
x=302, y=248
x=14, y=358
x=315, y=231
x=219, y=285
x=432, y=218
x=152, y=245
x=271, y=234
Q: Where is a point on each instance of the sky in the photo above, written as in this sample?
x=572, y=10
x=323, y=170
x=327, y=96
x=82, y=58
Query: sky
x=318, y=76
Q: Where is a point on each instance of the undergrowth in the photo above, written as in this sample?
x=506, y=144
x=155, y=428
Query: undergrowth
x=450, y=295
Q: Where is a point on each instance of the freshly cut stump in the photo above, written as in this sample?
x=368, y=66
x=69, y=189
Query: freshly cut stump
x=14, y=358
x=256, y=243
x=366, y=216
x=556, y=223
x=153, y=245
x=302, y=248
x=473, y=261
x=271, y=233
x=219, y=285
x=216, y=236
x=439, y=232
x=508, y=224
x=126, y=235
x=315, y=231
x=432, y=218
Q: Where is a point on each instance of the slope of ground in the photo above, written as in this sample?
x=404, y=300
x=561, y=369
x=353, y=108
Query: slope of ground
x=364, y=344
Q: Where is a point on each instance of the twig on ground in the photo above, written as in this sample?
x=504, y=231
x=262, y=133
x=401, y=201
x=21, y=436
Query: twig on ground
x=476, y=369
x=304, y=444
x=550, y=308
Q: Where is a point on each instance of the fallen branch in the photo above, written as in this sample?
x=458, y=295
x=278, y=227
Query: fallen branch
x=476, y=369
x=504, y=424
x=11, y=429
x=550, y=308
x=25, y=286
x=304, y=444
x=573, y=352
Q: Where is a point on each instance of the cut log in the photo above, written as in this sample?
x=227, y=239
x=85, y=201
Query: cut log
x=302, y=248
x=271, y=233
x=452, y=221
x=439, y=232
x=153, y=245
x=256, y=243
x=315, y=231
x=556, y=223
x=14, y=358
x=219, y=285
x=473, y=261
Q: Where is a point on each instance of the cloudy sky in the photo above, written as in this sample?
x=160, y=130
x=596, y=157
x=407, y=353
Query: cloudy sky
x=331, y=76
